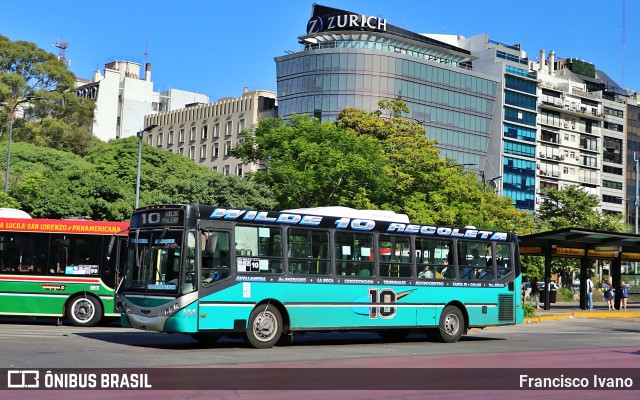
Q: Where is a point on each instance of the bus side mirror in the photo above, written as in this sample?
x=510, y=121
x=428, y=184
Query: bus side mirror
x=110, y=249
x=212, y=244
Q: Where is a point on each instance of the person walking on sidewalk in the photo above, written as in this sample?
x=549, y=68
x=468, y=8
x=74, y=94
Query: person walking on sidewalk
x=535, y=293
x=589, y=294
x=608, y=294
x=623, y=296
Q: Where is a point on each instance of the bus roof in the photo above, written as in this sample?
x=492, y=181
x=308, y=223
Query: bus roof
x=13, y=213
x=338, y=211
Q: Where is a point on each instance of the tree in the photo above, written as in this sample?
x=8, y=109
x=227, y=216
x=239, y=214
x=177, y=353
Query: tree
x=311, y=163
x=172, y=178
x=61, y=120
x=574, y=207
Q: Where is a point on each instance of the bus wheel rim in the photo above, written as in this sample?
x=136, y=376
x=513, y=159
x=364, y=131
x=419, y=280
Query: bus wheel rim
x=451, y=324
x=265, y=326
x=83, y=310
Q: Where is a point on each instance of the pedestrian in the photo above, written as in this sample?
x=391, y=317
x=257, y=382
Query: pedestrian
x=589, y=294
x=624, y=295
x=535, y=293
x=608, y=294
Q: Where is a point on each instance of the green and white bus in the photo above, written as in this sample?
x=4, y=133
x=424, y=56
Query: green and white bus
x=267, y=275
x=60, y=268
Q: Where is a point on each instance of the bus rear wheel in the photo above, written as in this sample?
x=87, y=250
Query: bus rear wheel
x=265, y=327
x=451, y=324
x=84, y=311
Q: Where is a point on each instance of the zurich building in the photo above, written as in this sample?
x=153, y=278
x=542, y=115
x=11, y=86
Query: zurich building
x=353, y=60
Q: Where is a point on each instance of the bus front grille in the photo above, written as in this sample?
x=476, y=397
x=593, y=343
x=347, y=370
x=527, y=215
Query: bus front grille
x=506, y=310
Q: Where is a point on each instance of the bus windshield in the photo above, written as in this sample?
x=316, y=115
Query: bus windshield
x=153, y=263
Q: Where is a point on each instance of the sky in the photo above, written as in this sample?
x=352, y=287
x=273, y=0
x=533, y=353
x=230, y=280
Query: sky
x=218, y=47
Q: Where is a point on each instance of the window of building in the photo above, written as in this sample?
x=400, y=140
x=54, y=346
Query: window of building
x=181, y=151
x=160, y=139
x=181, y=136
x=192, y=134
x=170, y=138
x=241, y=125
x=150, y=139
x=192, y=152
x=203, y=151
x=611, y=170
x=215, y=150
x=216, y=130
x=204, y=132
x=239, y=170
x=228, y=128
x=612, y=184
x=611, y=199
x=227, y=170
x=227, y=148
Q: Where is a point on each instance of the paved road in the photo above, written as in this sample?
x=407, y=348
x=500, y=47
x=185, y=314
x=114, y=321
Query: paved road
x=562, y=344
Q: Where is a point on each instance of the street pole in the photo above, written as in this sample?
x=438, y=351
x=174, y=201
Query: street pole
x=11, y=117
x=138, y=174
x=140, y=134
x=636, y=203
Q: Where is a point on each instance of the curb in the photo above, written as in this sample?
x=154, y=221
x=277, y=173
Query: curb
x=582, y=314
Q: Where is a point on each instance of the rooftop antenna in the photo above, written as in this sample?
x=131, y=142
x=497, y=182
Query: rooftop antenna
x=62, y=54
x=146, y=50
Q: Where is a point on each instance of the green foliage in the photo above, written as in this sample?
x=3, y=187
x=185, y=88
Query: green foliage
x=172, y=178
x=574, y=207
x=532, y=267
x=375, y=160
x=312, y=163
x=49, y=183
x=565, y=294
x=60, y=120
x=529, y=310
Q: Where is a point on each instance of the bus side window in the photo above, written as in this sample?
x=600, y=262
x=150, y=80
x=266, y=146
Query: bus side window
x=215, y=256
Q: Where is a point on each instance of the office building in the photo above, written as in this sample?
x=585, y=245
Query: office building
x=206, y=133
x=353, y=60
x=123, y=97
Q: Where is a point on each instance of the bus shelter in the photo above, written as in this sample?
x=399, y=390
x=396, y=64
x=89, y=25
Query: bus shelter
x=586, y=245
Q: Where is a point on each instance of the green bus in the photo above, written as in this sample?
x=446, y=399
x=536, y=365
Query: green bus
x=60, y=268
x=267, y=275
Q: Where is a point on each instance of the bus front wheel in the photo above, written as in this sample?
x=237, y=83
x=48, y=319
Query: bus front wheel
x=265, y=327
x=451, y=324
x=84, y=311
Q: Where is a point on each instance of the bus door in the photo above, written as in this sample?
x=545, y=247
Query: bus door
x=214, y=269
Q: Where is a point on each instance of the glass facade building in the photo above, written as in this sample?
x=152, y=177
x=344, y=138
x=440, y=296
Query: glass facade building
x=357, y=65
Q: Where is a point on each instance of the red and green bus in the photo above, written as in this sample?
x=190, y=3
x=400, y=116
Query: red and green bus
x=60, y=268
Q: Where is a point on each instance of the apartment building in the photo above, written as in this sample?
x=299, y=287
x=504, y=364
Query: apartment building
x=124, y=97
x=206, y=132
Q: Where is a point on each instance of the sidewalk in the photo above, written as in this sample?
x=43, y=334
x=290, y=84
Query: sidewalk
x=564, y=310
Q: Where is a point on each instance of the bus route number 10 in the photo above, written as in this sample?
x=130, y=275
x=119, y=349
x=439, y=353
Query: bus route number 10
x=386, y=296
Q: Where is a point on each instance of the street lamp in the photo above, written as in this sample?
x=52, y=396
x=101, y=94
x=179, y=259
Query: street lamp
x=139, y=134
x=13, y=110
